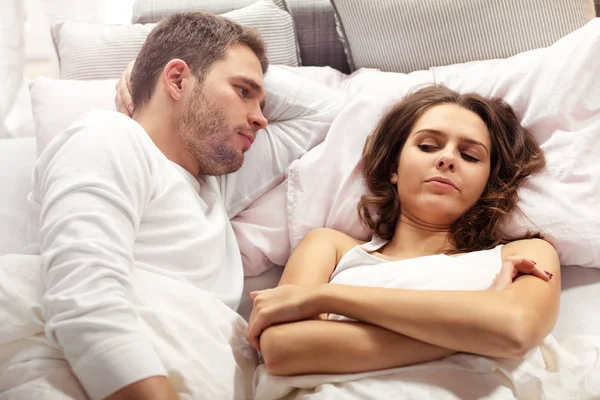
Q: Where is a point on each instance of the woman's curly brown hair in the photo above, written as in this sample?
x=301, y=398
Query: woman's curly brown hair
x=515, y=154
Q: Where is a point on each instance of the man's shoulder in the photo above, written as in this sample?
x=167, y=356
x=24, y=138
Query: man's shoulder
x=108, y=124
x=97, y=137
x=100, y=130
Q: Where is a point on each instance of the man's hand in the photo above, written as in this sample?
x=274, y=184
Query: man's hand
x=512, y=268
x=154, y=388
x=123, y=100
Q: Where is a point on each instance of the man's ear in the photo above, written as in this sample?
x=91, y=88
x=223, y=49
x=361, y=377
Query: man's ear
x=174, y=76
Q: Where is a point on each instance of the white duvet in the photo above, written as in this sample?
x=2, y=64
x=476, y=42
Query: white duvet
x=201, y=342
x=569, y=369
x=203, y=346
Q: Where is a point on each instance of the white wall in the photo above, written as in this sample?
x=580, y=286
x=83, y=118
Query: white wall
x=39, y=51
x=35, y=44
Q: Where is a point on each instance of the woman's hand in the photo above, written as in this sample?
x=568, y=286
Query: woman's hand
x=123, y=100
x=285, y=303
x=514, y=267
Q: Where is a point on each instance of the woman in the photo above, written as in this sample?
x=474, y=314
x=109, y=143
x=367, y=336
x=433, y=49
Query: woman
x=442, y=170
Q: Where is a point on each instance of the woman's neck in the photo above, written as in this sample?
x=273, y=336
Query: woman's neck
x=416, y=238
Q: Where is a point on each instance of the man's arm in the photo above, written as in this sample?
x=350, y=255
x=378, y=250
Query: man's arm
x=334, y=347
x=93, y=184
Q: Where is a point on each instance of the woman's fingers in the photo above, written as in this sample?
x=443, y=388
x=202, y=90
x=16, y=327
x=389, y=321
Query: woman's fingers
x=529, y=267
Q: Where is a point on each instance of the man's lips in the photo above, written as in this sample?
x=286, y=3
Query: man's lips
x=249, y=138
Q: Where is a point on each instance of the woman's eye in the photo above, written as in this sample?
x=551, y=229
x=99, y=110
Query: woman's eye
x=469, y=157
x=427, y=147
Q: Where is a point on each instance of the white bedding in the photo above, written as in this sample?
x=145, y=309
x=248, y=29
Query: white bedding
x=566, y=369
x=201, y=342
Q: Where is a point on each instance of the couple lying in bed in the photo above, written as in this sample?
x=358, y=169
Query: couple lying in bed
x=116, y=194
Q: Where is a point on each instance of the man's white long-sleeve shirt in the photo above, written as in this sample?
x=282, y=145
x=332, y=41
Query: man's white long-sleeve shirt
x=105, y=200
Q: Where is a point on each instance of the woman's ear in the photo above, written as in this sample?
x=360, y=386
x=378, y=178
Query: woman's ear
x=394, y=178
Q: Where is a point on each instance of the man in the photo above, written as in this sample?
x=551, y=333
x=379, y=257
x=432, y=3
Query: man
x=116, y=194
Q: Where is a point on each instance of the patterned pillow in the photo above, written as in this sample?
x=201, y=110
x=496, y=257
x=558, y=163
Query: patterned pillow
x=145, y=11
x=97, y=51
x=405, y=36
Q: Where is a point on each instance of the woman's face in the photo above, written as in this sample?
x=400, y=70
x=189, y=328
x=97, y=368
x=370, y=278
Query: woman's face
x=444, y=165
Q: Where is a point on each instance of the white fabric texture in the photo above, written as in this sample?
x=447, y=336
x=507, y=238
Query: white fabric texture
x=145, y=11
x=557, y=369
x=390, y=35
x=12, y=59
x=470, y=271
x=199, y=340
x=57, y=103
x=17, y=157
x=105, y=203
x=100, y=51
x=562, y=202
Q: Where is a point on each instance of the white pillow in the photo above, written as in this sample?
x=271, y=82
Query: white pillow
x=261, y=232
x=555, y=92
x=405, y=36
x=57, y=103
x=145, y=11
x=97, y=51
x=17, y=157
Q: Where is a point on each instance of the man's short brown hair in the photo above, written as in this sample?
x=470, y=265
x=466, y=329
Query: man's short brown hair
x=199, y=39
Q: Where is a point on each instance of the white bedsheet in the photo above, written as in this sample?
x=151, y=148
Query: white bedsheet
x=201, y=342
x=566, y=369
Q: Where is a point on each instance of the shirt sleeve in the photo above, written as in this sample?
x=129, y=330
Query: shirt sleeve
x=300, y=112
x=92, y=190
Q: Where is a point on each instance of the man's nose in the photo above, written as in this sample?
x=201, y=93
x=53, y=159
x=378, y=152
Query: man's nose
x=258, y=121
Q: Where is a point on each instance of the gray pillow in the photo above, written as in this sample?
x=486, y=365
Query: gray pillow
x=145, y=11
x=406, y=36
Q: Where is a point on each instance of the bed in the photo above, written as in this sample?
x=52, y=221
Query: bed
x=545, y=76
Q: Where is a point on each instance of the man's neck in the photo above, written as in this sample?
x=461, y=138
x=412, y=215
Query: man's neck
x=159, y=126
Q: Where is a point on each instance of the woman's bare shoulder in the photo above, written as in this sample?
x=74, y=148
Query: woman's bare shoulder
x=527, y=247
x=342, y=242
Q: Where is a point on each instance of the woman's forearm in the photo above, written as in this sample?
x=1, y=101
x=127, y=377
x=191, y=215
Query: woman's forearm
x=482, y=322
x=334, y=347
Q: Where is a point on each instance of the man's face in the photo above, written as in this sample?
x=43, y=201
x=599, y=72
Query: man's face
x=224, y=113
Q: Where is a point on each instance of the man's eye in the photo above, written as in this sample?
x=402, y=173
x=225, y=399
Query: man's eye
x=243, y=90
x=427, y=147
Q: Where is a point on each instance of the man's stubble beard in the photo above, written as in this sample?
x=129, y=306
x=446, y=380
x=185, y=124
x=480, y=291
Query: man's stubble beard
x=206, y=136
